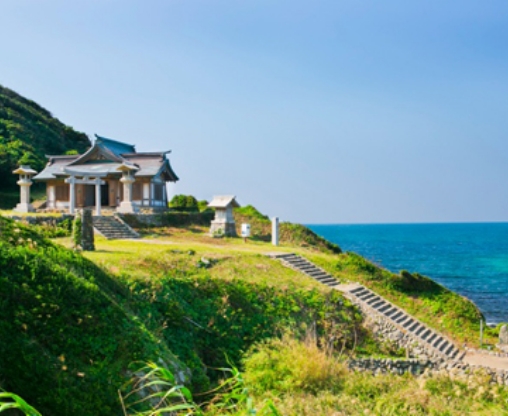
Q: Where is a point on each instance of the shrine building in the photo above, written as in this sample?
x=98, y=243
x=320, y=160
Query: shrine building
x=110, y=174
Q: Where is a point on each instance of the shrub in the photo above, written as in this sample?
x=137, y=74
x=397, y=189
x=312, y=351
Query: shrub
x=288, y=365
x=186, y=203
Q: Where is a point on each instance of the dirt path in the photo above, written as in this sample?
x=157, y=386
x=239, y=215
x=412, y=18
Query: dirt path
x=485, y=360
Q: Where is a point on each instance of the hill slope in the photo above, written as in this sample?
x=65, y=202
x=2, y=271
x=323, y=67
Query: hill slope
x=28, y=132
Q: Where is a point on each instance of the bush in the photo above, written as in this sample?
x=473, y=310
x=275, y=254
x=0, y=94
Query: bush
x=186, y=203
x=288, y=365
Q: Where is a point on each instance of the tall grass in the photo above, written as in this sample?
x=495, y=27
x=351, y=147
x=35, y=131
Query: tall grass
x=303, y=380
x=10, y=401
x=154, y=391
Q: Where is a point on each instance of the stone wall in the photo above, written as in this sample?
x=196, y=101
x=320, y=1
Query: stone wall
x=168, y=219
x=42, y=219
x=454, y=370
x=400, y=367
x=385, y=330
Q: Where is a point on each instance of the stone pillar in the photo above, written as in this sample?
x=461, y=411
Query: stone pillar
x=126, y=205
x=72, y=193
x=275, y=231
x=98, y=196
x=87, y=236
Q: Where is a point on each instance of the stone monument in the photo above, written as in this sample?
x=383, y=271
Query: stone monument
x=224, y=222
x=275, y=231
x=25, y=173
x=83, y=231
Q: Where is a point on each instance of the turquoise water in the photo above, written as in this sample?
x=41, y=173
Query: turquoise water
x=471, y=259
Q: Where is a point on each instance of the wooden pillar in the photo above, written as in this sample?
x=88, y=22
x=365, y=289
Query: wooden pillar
x=98, y=196
x=72, y=197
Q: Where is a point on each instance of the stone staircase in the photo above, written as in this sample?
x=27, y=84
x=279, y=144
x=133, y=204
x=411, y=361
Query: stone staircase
x=372, y=304
x=113, y=228
x=426, y=337
x=300, y=264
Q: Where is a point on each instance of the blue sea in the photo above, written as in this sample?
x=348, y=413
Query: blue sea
x=470, y=259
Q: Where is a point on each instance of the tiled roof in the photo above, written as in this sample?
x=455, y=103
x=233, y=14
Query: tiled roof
x=110, y=156
x=223, y=201
x=116, y=147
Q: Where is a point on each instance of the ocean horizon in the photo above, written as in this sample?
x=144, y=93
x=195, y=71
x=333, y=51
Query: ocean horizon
x=470, y=258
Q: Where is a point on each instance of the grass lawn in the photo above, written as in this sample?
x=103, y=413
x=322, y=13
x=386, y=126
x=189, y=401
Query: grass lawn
x=181, y=254
x=179, y=251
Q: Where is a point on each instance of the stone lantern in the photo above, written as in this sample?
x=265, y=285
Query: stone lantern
x=224, y=222
x=126, y=206
x=25, y=173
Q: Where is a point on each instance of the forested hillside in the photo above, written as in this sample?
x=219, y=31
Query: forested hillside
x=28, y=132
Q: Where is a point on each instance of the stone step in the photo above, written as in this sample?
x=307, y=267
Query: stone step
x=326, y=281
x=408, y=323
x=443, y=346
x=438, y=341
x=372, y=300
x=378, y=304
x=420, y=331
x=113, y=228
x=451, y=349
x=358, y=290
x=413, y=327
x=426, y=334
x=397, y=315
x=317, y=274
x=431, y=338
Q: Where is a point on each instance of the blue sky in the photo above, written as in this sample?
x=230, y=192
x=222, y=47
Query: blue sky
x=317, y=112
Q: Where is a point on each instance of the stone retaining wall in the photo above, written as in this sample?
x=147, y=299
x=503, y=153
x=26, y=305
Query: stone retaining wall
x=400, y=367
x=168, y=219
x=384, y=329
x=455, y=370
x=42, y=219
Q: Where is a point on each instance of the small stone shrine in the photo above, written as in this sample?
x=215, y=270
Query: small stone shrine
x=25, y=173
x=224, y=222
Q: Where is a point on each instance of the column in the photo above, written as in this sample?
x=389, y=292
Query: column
x=126, y=205
x=98, y=196
x=72, y=194
x=275, y=231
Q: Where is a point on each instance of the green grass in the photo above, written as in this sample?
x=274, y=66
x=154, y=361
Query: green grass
x=73, y=324
x=302, y=379
x=446, y=311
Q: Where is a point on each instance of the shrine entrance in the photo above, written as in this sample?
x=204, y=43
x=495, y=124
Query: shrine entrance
x=92, y=192
x=89, y=195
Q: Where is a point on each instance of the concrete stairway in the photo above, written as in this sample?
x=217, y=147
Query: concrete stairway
x=310, y=269
x=113, y=228
x=371, y=302
x=428, y=338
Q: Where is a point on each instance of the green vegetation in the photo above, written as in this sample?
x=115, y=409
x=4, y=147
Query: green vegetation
x=28, y=132
x=77, y=327
x=10, y=401
x=280, y=371
x=290, y=234
x=185, y=203
x=433, y=304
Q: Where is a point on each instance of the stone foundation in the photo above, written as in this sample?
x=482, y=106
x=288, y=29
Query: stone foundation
x=219, y=228
x=452, y=369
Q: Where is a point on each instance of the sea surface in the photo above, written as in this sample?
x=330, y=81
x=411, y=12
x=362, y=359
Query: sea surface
x=470, y=259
